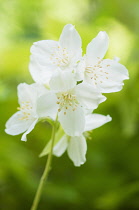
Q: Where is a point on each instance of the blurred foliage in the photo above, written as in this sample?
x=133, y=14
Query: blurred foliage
x=109, y=180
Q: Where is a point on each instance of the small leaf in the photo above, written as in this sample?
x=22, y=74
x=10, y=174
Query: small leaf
x=47, y=148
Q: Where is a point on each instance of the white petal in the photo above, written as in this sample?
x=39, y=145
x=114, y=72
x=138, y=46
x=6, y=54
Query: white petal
x=77, y=150
x=116, y=59
x=24, y=138
x=47, y=106
x=73, y=122
x=97, y=47
x=93, y=121
x=61, y=146
x=25, y=93
x=70, y=39
x=116, y=71
x=109, y=86
x=88, y=111
x=15, y=125
x=88, y=96
x=79, y=73
x=39, y=89
x=30, y=92
x=42, y=51
x=62, y=81
x=39, y=73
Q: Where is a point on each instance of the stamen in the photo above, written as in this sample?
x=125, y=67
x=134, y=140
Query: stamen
x=66, y=100
x=97, y=73
x=60, y=56
x=25, y=110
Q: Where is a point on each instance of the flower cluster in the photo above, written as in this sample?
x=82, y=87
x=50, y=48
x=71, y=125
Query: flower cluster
x=68, y=86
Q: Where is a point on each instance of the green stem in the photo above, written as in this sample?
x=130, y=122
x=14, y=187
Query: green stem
x=46, y=171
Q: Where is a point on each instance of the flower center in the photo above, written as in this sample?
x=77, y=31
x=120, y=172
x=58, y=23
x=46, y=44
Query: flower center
x=60, y=57
x=67, y=100
x=97, y=72
x=25, y=109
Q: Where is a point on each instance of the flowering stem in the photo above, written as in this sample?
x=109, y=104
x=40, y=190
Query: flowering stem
x=46, y=170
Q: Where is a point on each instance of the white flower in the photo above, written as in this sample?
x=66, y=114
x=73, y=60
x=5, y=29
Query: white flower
x=103, y=74
x=72, y=101
x=29, y=112
x=76, y=146
x=48, y=55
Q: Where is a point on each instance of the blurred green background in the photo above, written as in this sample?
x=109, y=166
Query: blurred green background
x=109, y=180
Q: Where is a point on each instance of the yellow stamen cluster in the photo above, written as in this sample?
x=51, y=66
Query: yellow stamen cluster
x=25, y=109
x=66, y=100
x=96, y=72
x=60, y=57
